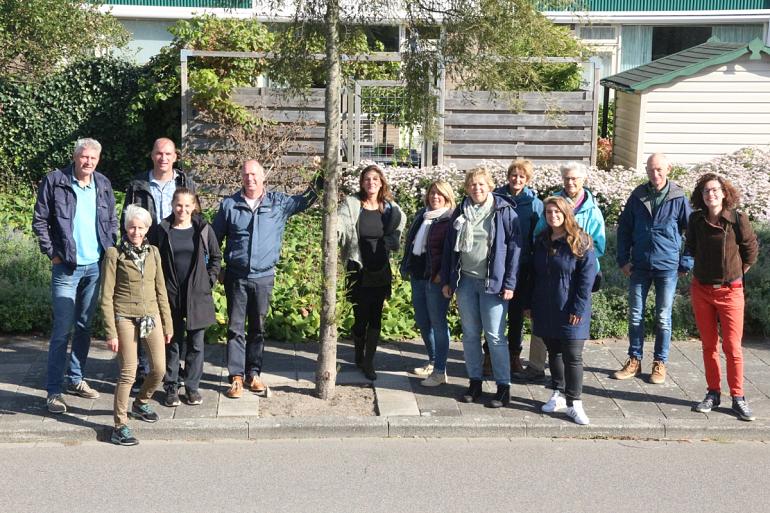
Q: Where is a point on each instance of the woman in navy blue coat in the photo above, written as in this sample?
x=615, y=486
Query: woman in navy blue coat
x=564, y=271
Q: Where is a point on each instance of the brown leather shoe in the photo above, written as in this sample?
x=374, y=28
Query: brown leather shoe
x=658, y=374
x=256, y=385
x=631, y=368
x=236, y=388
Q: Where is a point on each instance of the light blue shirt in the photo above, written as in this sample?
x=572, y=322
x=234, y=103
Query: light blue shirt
x=163, y=194
x=87, y=246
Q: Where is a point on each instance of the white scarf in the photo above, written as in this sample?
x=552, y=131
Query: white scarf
x=421, y=239
x=471, y=216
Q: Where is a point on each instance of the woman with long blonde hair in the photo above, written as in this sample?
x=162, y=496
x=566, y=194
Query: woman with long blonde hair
x=564, y=265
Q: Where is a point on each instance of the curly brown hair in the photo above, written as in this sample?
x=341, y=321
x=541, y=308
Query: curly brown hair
x=731, y=199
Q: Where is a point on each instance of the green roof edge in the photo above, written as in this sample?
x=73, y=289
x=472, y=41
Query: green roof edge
x=755, y=47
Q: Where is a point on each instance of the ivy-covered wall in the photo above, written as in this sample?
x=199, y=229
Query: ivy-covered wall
x=40, y=122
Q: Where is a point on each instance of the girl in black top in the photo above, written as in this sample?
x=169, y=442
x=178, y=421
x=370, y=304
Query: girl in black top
x=191, y=256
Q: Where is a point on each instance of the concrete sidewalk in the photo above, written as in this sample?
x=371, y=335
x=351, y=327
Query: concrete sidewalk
x=618, y=409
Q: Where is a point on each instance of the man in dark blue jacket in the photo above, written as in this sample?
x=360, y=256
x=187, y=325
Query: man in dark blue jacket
x=253, y=221
x=75, y=223
x=650, y=252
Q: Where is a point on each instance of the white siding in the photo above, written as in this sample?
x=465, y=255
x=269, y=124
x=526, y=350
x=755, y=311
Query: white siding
x=717, y=111
x=626, y=139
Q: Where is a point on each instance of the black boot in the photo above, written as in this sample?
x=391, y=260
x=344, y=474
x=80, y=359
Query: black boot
x=370, y=347
x=358, y=344
x=502, y=397
x=473, y=393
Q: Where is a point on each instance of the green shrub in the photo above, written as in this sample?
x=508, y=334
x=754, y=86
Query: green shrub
x=25, y=284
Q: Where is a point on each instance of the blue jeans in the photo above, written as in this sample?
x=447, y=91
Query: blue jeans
x=639, y=286
x=479, y=312
x=430, y=310
x=248, y=299
x=73, y=296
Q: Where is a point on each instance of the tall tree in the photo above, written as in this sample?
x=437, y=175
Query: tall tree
x=485, y=44
x=36, y=36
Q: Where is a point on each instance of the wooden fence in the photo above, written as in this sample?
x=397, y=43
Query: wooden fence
x=542, y=127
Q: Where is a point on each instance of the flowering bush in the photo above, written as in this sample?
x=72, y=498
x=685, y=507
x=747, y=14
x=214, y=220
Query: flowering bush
x=748, y=169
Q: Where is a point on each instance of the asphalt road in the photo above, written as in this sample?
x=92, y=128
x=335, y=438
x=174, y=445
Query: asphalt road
x=388, y=475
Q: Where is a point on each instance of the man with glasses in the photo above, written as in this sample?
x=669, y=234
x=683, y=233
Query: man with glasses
x=591, y=220
x=650, y=253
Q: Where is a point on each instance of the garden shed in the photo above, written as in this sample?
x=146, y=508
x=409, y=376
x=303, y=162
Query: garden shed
x=694, y=105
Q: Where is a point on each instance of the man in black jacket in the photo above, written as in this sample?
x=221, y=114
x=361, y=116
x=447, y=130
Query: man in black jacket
x=153, y=191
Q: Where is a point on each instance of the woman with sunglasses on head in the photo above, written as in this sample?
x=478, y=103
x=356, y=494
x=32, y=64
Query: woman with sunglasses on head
x=370, y=226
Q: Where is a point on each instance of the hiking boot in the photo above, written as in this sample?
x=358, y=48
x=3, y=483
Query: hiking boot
x=502, y=397
x=486, y=366
x=425, y=370
x=172, y=397
x=632, y=367
x=256, y=385
x=516, y=365
x=529, y=375
x=194, y=398
x=658, y=374
x=143, y=412
x=83, y=390
x=577, y=413
x=123, y=436
x=708, y=403
x=434, y=380
x=236, y=388
x=742, y=410
x=55, y=403
x=557, y=402
x=473, y=393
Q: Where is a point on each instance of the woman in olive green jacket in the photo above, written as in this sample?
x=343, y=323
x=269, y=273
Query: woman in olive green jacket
x=135, y=309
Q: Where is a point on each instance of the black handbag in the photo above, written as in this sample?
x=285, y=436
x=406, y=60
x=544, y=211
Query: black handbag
x=597, y=282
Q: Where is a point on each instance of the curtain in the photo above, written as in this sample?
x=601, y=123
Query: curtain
x=635, y=46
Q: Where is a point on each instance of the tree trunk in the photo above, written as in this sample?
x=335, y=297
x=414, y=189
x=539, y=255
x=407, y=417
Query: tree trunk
x=326, y=371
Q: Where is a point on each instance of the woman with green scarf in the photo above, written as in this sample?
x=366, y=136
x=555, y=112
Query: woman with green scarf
x=135, y=309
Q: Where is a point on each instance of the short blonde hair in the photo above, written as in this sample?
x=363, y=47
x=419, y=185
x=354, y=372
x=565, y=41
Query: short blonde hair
x=522, y=165
x=136, y=212
x=479, y=171
x=444, y=189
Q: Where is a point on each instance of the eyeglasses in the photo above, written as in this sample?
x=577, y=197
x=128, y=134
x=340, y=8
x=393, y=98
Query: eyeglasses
x=713, y=190
x=572, y=178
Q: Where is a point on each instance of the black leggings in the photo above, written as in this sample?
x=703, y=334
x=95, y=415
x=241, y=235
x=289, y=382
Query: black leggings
x=566, y=357
x=367, y=309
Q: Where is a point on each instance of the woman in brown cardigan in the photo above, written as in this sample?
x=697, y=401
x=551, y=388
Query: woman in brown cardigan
x=135, y=309
x=724, y=247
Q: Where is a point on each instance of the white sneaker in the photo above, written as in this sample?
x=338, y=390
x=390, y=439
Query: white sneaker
x=434, y=380
x=425, y=370
x=555, y=403
x=577, y=413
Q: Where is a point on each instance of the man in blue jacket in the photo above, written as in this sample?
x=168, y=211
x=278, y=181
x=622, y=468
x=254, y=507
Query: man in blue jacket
x=650, y=252
x=253, y=221
x=75, y=223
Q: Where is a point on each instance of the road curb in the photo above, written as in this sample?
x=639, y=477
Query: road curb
x=244, y=428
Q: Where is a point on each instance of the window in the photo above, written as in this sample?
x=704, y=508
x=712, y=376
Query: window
x=598, y=33
x=668, y=40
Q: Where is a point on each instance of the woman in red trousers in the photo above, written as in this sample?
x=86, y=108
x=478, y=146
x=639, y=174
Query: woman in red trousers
x=724, y=247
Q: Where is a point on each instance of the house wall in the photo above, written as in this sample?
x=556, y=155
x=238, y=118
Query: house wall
x=626, y=139
x=717, y=111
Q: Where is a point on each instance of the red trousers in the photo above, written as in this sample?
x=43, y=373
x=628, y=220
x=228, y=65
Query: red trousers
x=723, y=306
